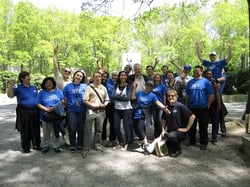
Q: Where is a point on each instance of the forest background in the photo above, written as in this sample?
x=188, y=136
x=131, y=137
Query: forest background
x=28, y=34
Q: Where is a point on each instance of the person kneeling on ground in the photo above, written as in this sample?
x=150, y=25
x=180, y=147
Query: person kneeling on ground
x=178, y=122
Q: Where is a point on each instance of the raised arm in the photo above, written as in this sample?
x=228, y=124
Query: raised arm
x=55, y=61
x=10, y=91
x=179, y=68
x=198, y=51
x=156, y=62
x=229, y=56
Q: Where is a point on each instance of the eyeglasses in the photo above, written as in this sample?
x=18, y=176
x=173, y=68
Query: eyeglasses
x=171, y=95
x=66, y=71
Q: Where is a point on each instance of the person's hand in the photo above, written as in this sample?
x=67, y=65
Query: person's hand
x=49, y=109
x=182, y=129
x=156, y=61
x=135, y=84
x=55, y=48
x=230, y=44
x=166, y=110
x=12, y=82
x=197, y=45
x=163, y=134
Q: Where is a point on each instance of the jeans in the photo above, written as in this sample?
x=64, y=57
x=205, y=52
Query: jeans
x=76, y=122
x=126, y=115
x=157, y=113
x=140, y=128
x=93, y=118
x=202, y=116
x=173, y=141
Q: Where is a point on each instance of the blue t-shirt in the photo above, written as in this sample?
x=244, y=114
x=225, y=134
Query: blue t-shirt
x=110, y=88
x=48, y=99
x=198, y=91
x=159, y=90
x=74, y=94
x=215, y=67
x=144, y=100
x=26, y=96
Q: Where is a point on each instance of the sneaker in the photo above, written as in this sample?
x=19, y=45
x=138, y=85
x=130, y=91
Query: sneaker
x=99, y=147
x=79, y=148
x=37, y=148
x=203, y=147
x=223, y=134
x=45, y=150
x=57, y=150
x=26, y=151
x=175, y=154
x=72, y=149
x=190, y=144
x=214, y=142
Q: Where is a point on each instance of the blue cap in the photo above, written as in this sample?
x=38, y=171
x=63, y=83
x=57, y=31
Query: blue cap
x=187, y=67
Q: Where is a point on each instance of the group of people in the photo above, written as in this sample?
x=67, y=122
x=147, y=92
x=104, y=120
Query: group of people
x=174, y=103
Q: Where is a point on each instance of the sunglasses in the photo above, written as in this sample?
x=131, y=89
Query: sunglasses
x=66, y=71
x=171, y=95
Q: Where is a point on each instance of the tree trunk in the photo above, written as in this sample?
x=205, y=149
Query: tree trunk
x=247, y=111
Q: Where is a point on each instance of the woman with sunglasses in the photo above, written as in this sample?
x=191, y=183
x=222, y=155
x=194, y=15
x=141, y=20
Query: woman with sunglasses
x=160, y=91
x=76, y=110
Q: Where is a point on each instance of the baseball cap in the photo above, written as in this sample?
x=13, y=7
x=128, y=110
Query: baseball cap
x=212, y=53
x=150, y=82
x=187, y=67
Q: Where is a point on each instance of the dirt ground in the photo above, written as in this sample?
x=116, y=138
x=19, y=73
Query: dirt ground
x=221, y=165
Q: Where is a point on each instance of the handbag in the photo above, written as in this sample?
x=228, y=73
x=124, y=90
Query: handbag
x=51, y=116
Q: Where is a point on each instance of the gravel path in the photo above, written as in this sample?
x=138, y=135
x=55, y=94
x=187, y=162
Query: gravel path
x=220, y=165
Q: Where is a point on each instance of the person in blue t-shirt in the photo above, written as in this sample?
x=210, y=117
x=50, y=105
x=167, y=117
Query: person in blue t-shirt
x=200, y=95
x=160, y=91
x=46, y=99
x=76, y=110
x=216, y=66
x=27, y=118
x=142, y=101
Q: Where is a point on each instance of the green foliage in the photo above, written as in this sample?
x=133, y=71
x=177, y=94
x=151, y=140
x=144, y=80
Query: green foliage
x=27, y=36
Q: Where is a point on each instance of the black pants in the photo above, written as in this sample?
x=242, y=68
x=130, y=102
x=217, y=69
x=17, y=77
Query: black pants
x=109, y=116
x=27, y=123
x=140, y=128
x=126, y=115
x=202, y=117
x=173, y=141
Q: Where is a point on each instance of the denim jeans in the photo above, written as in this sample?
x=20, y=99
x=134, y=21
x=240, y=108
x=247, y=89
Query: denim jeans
x=93, y=118
x=173, y=141
x=76, y=123
x=126, y=115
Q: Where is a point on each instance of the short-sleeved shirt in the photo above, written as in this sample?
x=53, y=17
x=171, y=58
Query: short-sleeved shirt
x=159, y=90
x=92, y=97
x=60, y=82
x=26, y=95
x=178, y=118
x=74, y=94
x=198, y=91
x=215, y=67
x=144, y=100
x=49, y=99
